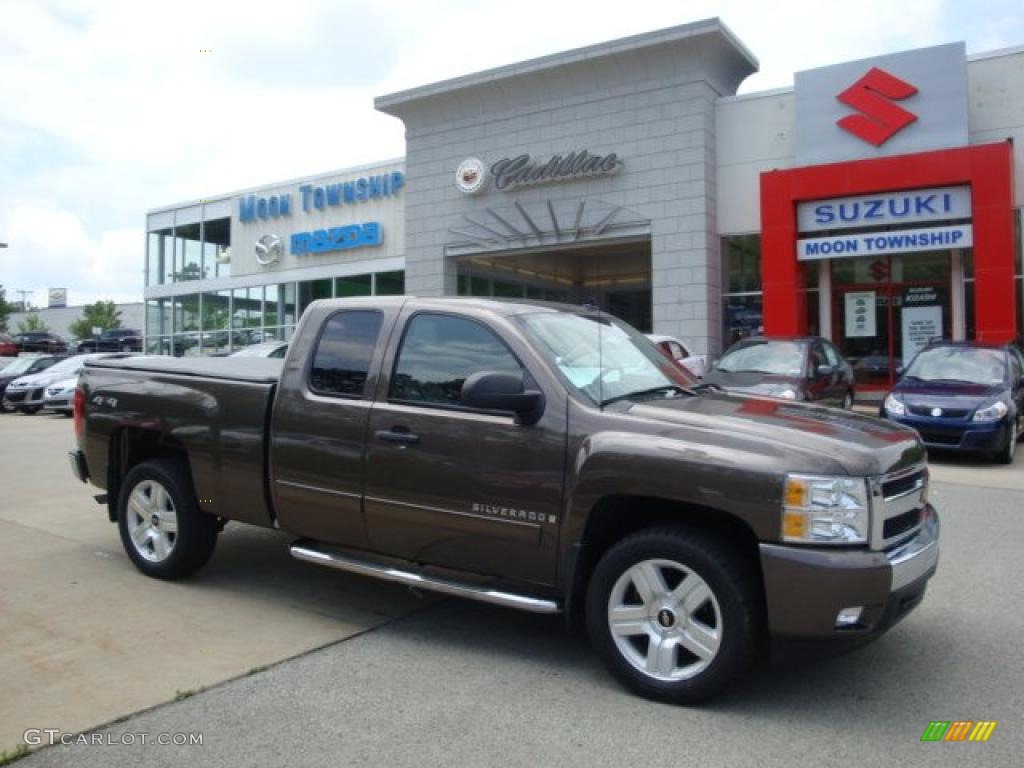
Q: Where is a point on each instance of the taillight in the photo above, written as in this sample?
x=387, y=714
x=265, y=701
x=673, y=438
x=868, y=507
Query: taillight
x=78, y=408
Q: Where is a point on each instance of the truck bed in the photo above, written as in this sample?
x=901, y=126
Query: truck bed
x=212, y=411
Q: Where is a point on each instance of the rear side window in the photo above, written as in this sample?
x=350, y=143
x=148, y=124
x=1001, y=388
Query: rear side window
x=438, y=354
x=342, y=359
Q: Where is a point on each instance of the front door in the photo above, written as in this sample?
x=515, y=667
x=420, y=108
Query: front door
x=885, y=309
x=455, y=487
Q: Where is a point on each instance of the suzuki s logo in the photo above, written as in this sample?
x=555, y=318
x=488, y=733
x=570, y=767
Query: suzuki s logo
x=873, y=96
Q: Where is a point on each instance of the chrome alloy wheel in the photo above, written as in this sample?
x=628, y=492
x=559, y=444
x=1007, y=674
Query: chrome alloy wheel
x=152, y=521
x=665, y=620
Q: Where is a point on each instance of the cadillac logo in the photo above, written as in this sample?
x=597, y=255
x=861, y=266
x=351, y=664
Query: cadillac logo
x=936, y=412
x=269, y=249
x=471, y=176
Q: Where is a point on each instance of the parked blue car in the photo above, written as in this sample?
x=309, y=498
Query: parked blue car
x=963, y=396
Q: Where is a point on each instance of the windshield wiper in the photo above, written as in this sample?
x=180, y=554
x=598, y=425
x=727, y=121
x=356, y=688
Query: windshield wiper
x=651, y=391
x=948, y=381
x=706, y=386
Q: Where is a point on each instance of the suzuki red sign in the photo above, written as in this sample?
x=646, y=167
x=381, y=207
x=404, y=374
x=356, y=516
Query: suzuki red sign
x=895, y=104
x=873, y=97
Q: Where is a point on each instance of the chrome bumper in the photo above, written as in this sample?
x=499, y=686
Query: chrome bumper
x=917, y=557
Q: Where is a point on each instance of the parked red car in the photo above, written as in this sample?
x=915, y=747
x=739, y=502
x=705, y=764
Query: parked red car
x=7, y=346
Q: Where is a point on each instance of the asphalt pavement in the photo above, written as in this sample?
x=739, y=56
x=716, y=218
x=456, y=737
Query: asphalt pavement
x=456, y=683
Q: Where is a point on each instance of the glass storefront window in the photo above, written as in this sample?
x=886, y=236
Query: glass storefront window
x=217, y=247
x=247, y=309
x=390, y=283
x=159, y=251
x=279, y=311
x=158, y=317
x=354, y=285
x=742, y=317
x=311, y=290
x=216, y=313
x=190, y=265
x=186, y=325
x=741, y=263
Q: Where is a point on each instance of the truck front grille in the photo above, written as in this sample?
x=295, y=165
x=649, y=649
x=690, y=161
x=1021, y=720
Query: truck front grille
x=897, y=503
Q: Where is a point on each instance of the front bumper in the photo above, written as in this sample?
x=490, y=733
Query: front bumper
x=958, y=434
x=24, y=397
x=805, y=588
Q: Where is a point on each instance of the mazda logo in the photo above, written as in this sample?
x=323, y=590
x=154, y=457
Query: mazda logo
x=269, y=249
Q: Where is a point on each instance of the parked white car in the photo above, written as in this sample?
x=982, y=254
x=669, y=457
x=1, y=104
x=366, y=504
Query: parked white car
x=680, y=351
x=276, y=349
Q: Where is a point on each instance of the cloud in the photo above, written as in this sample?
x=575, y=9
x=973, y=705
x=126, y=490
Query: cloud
x=113, y=108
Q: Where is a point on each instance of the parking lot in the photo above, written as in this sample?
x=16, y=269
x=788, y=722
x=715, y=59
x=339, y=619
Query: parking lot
x=384, y=677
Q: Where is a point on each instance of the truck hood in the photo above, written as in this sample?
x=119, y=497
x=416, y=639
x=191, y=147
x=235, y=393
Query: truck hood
x=829, y=439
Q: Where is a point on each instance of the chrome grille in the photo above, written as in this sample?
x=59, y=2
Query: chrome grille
x=897, y=503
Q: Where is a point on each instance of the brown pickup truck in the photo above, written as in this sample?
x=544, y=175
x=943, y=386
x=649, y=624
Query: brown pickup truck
x=542, y=457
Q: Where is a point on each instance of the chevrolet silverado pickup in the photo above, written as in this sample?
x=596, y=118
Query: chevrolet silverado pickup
x=542, y=457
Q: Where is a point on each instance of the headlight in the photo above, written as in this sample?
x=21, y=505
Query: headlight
x=994, y=412
x=825, y=510
x=894, y=407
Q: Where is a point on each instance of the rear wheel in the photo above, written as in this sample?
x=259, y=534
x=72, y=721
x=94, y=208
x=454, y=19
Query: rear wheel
x=28, y=410
x=674, y=614
x=162, y=528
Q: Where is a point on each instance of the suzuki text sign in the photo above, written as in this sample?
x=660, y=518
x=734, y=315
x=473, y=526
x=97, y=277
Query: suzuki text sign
x=889, y=105
x=910, y=206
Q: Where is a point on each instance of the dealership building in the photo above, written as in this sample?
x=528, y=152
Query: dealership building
x=872, y=203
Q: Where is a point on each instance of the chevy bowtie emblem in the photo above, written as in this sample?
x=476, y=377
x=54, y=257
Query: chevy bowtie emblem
x=873, y=96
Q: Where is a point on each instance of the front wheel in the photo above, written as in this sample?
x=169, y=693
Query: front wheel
x=674, y=614
x=162, y=528
x=1005, y=456
x=29, y=410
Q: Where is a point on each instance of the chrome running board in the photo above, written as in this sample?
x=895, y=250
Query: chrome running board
x=305, y=551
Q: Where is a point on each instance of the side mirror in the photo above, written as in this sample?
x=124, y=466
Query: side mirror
x=824, y=370
x=494, y=391
x=900, y=371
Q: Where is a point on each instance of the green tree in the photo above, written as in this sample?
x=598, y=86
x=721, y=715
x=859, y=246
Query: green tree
x=5, y=309
x=32, y=322
x=102, y=314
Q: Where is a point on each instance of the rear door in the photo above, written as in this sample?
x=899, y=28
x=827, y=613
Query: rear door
x=319, y=424
x=456, y=487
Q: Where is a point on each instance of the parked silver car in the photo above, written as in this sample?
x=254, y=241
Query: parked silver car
x=28, y=393
x=58, y=395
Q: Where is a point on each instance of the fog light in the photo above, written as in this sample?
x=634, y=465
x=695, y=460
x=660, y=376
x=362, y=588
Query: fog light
x=849, y=617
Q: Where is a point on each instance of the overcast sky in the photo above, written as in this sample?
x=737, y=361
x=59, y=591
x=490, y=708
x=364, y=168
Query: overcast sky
x=110, y=108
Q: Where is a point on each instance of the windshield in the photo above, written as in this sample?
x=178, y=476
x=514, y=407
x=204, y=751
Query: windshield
x=781, y=358
x=67, y=368
x=970, y=365
x=613, y=363
x=20, y=365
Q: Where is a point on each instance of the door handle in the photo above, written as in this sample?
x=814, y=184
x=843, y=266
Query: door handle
x=397, y=435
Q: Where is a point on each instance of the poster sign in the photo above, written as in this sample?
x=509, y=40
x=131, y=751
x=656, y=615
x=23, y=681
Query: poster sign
x=860, y=315
x=921, y=319
x=57, y=297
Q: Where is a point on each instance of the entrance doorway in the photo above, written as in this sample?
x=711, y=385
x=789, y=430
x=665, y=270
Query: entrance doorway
x=886, y=308
x=616, y=277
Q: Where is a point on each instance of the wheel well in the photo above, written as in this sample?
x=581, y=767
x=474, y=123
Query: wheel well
x=616, y=517
x=131, y=446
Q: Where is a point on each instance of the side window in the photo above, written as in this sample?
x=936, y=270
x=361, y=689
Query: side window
x=342, y=358
x=678, y=352
x=438, y=354
x=817, y=358
x=830, y=353
x=1015, y=366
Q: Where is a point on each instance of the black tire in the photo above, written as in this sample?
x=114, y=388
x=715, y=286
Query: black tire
x=4, y=408
x=734, y=608
x=1005, y=455
x=195, y=536
x=29, y=410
